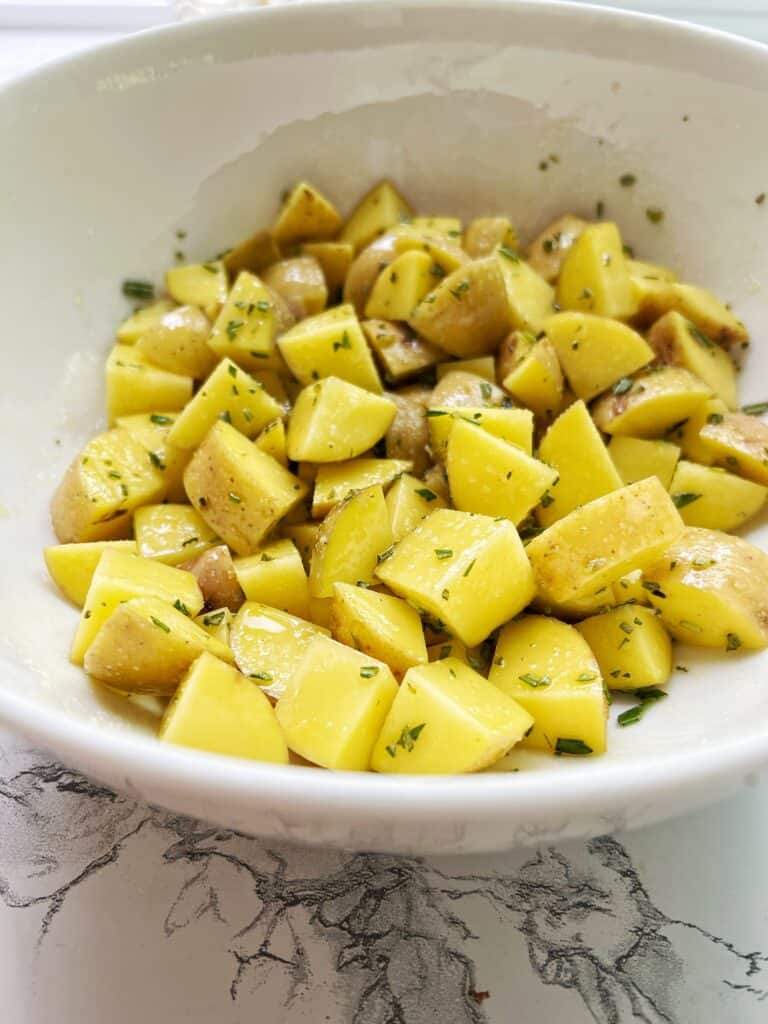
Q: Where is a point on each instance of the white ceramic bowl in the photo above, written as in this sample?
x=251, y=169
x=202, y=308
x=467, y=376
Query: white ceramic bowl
x=200, y=127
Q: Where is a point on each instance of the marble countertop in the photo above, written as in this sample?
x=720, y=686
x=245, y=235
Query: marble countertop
x=113, y=911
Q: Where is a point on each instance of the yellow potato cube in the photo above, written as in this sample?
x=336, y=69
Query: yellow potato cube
x=482, y=366
x=338, y=480
x=468, y=571
x=305, y=215
x=335, y=705
x=530, y=300
x=630, y=589
x=710, y=497
x=253, y=253
x=401, y=286
x=650, y=405
x=399, y=352
x=537, y=379
x=409, y=501
x=275, y=576
x=687, y=434
x=138, y=323
x=635, y=459
x=600, y=542
x=335, y=259
x=491, y=476
x=199, y=284
x=450, y=647
x=120, y=576
x=631, y=645
x=447, y=719
x=331, y=344
x=304, y=536
x=380, y=209
x=216, y=623
x=71, y=566
x=350, y=541
x=333, y=421
x=377, y=624
x=594, y=351
x=548, y=251
x=548, y=669
x=217, y=709
x=485, y=234
x=649, y=271
x=739, y=442
x=171, y=533
x=679, y=342
x=512, y=425
x=655, y=298
x=135, y=385
x=268, y=644
x=573, y=447
x=710, y=589
x=246, y=328
x=273, y=440
x=179, y=343
x=151, y=431
x=594, y=277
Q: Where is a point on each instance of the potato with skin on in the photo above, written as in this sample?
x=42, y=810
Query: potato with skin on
x=407, y=436
x=335, y=259
x=351, y=538
x=269, y=644
x=643, y=271
x=459, y=388
x=378, y=211
x=399, y=352
x=709, y=496
x=146, y=646
x=401, y=286
x=536, y=380
x=548, y=669
x=335, y=705
x=199, y=284
x=485, y=234
x=594, y=277
x=140, y=321
x=240, y=492
x=330, y=344
x=275, y=576
x=333, y=421
x=272, y=441
x=687, y=433
x=253, y=253
x=655, y=298
x=151, y=430
x=632, y=647
x=105, y=482
x=304, y=536
x=436, y=480
x=305, y=215
x=548, y=251
x=529, y=298
x=636, y=458
x=740, y=443
x=466, y=314
x=71, y=566
x=493, y=477
x=301, y=283
x=179, y=343
x=469, y=571
x=216, y=623
x=651, y=404
x=171, y=533
x=217, y=709
x=710, y=589
x=678, y=342
x=447, y=719
x=573, y=447
x=135, y=385
x=481, y=366
x=600, y=542
x=383, y=626
x=338, y=480
x=246, y=329
x=409, y=500
x=512, y=425
x=215, y=573
x=595, y=351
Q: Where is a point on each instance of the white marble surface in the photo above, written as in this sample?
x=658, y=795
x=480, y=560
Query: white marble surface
x=111, y=911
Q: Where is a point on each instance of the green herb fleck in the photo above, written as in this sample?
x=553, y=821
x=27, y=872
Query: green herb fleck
x=531, y=680
x=235, y=498
x=160, y=420
x=344, y=343
x=732, y=642
x=160, y=625
x=426, y=494
x=384, y=555
x=156, y=461
x=179, y=605
x=648, y=695
x=683, y=498
x=485, y=390
x=214, y=618
x=621, y=387
x=133, y=289
x=444, y=552
x=460, y=289
x=265, y=677
x=469, y=568
x=655, y=214
x=232, y=328
x=627, y=180
x=369, y=671
x=755, y=409
x=575, y=747
x=262, y=305
x=509, y=254
x=406, y=740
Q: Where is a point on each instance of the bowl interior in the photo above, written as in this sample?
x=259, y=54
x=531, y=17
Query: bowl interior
x=200, y=129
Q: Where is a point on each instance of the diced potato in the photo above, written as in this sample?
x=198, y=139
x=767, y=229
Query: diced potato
x=120, y=576
x=215, y=573
x=450, y=226
x=199, y=284
x=466, y=314
x=710, y=497
x=512, y=425
x=678, y=342
x=399, y=352
x=278, y=386
x=269, y=644
x=635, y=459
x=449, y=647
x=631, y=589
x=576, y=608
x=305, y=215
x=379, y=210
x=71, y=566
x=138, y=323
x=695, y=304
x=485, y=234
x=649, y=271
x=151, y=431
x=649, y=405
x=275, y=576
x=548, y=669
x=401, y=286
x=574, y=449
x=146, y=646
x=491, y=476
x=335, y=259
x=536, y=380
x=457, y=388
x=216, y=623
x=135, y=385
x=548, y=251
x=106, y=481
x=352, y=537
x=447, y=719
x=710, y=589
x=469, y=571
x=333, y=421
x=179, y=343
x=409, y=500
x=272, y=441
x=687, y=434
x=631, y=645
x=739, y=442
x=335, y=705
x=529, y=298
x=595, y=352
x=385, y=627
x=301, y=283
x=600, y=542
x=594, y=277
x=239, y=491
x=338, y=480
x=230, y=395
x=217, y=709
x=481, y=366
x=246, y=328
x=330, y=344
x=171, y=533
x=254, y=253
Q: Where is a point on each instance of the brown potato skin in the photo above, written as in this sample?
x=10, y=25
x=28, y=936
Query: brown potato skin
x=301, y=284
x=547, y=252
x=216, y=576
x=408, y=436
x=458, y=389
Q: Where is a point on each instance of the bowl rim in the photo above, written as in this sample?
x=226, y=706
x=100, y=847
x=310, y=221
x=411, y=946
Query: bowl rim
x=367, y=796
